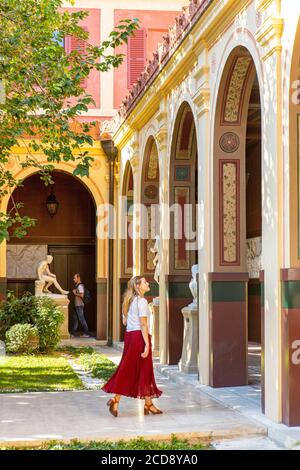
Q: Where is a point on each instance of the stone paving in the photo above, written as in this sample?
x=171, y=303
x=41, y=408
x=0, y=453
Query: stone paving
x=40, y=416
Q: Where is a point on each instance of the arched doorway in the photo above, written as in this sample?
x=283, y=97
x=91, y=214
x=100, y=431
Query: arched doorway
x=127, y=235
x=150, y=228
x=235, y=283
x=183, y=239
x=69, y=236
x=150, y=200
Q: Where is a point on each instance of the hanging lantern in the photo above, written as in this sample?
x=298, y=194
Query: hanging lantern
x=52, y=204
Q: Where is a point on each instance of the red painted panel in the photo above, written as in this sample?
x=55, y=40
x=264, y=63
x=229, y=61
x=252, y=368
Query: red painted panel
x=92, y=24
x=291, y=366
x=228, y=344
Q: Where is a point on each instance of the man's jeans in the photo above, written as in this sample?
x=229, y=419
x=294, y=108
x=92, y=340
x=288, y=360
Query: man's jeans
x=78, y=314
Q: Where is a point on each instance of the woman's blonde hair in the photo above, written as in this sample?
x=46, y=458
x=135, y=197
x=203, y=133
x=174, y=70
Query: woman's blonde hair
x=131, y=292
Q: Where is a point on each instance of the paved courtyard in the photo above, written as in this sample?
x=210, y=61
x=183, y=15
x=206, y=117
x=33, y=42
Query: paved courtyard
x=35, y=417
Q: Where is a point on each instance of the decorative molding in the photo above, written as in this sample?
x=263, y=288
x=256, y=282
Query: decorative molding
x=269, y=35
x=181, y=255
x=229, y=174
x=233, y=98
x=182, y=172
x=262, y=5
x=134, y=161
x=229, y=142
x=134, y=152
x=201, y=72
x=161, y=138
x=202, y=100
x=151, y=191
x=117, y=174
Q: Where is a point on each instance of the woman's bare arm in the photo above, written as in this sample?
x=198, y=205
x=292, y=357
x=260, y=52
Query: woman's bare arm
x=144, y=328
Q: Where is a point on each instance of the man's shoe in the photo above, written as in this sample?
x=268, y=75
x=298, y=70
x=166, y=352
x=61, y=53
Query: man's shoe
x=85, y=336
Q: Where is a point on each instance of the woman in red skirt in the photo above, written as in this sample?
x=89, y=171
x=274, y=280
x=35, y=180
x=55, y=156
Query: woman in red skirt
x=134, y=376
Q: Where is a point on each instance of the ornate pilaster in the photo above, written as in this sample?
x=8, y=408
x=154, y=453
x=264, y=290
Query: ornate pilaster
x=270, y=32
x=201, y=97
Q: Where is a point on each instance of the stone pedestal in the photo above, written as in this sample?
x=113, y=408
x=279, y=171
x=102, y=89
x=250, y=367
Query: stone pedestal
x=63, y=303
x=155, y=327
x=39, y=285
x=190, y=348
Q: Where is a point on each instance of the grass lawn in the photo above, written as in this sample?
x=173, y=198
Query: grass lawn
x=37, y=373
x=90, y=360
x=133, y=444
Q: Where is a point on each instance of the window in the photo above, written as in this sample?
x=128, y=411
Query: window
x=136, y=56
x=72, y=43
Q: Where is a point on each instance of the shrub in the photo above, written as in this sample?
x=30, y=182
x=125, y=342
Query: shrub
x=41, y=312
x=14, y=310
x=22, y=338
x=47, y=317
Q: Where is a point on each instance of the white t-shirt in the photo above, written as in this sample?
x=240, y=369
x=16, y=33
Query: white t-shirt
x=138, y=308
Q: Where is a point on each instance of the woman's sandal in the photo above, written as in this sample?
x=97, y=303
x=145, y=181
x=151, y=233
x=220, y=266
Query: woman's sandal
x=152, y=409
x=112, y=408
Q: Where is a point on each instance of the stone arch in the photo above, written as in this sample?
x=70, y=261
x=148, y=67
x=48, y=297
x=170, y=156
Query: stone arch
x=237, y=211
x=91, y=186
x=183, y=183
x=97, y=251
x=149, y=200
x=127, y=241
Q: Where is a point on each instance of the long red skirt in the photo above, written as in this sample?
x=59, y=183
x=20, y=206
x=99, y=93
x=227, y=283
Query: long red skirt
x=134, y=376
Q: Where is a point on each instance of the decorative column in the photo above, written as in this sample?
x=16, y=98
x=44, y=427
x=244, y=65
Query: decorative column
x=111, y=153
x=201, y=99
x=135, y=165
x=161, y=140
x=269, y=36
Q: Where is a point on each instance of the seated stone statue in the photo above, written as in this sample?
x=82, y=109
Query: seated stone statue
x=46, y=278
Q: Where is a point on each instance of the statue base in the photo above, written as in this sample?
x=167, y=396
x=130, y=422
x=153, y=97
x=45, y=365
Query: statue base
x=188, y=363
x=62, y=302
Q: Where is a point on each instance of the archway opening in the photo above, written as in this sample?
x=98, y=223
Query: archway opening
x=183, y=225
x=254, y=231
x=127, y=240
x=150, y=227
x=235, y=322
x=69, y=236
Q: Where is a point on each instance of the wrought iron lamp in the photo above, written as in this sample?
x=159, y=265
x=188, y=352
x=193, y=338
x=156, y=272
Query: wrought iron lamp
x=52, y=204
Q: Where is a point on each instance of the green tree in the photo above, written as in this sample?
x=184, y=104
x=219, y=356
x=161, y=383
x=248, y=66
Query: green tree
x=41, y=92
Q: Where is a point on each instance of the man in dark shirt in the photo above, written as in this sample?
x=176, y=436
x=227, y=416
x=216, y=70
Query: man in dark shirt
x=78, y=314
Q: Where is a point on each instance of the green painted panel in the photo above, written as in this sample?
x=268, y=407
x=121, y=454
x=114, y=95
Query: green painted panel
x=154, y=290
x=179, y=290
x=254, y=289
x=262, y=296
x=3, y=288
x=102, y=288
x=290, y=294
x=228, y=291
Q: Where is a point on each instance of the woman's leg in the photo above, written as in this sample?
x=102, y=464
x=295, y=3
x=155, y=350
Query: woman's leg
x=150, y=406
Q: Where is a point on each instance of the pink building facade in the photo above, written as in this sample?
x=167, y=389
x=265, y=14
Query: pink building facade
x=108, y=89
